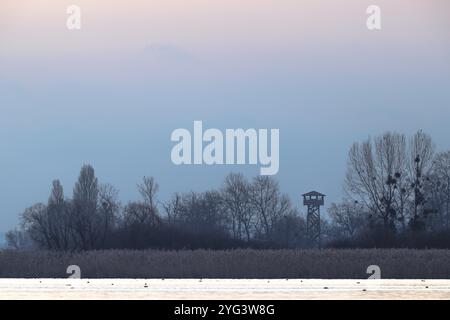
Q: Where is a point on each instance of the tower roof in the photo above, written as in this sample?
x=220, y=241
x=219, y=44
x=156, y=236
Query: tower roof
x=313, y=193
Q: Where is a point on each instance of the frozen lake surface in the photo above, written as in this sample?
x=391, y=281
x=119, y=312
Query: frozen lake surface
x=222, y=289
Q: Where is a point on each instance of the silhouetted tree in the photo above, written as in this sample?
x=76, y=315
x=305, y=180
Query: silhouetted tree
x=238, y=206
x=59, y=215
x=421, y=157
x=437, y=191
x=108, y=210
x=348, y=218
x=146, y=211
x=35, y=222
x=85, y=221
x=374, y=170
x=268, y=203
x=201, y=213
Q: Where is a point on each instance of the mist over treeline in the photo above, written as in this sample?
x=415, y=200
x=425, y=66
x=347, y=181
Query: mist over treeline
x=397, y=194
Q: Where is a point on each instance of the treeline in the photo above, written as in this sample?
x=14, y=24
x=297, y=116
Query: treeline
x=241, y=214
x=398, y=195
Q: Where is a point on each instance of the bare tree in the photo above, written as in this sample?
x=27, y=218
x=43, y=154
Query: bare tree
x=138, y=213
x=145, y=212
x=148, y=190
x=108, y=209
x=58, y=211
x=199, y=212
x=172, y=208
x=47, y=226
x=84, y=217
x=348, y=218
x=437, y=188
x=34, y=221
x=373, y=174
x=268, y=203
x=420, y=164
x=238, y=205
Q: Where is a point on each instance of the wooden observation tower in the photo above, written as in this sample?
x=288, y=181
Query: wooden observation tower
x=313, y=200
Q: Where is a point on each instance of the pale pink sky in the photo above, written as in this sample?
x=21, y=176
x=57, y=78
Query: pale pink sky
x=222, y=27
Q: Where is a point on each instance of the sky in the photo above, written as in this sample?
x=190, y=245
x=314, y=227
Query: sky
x=111, y=93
